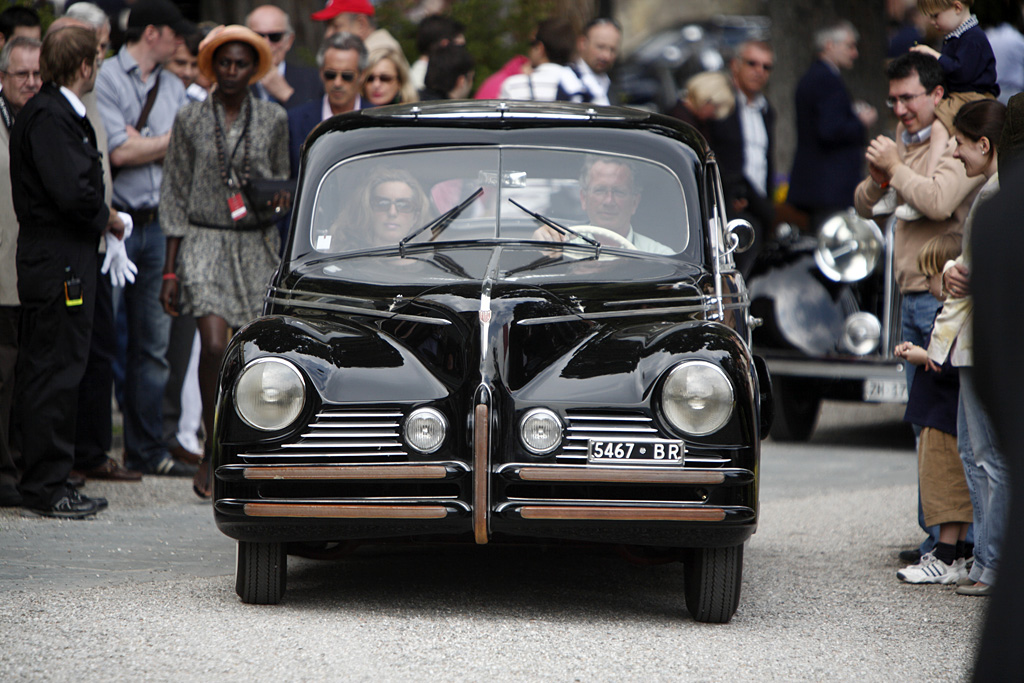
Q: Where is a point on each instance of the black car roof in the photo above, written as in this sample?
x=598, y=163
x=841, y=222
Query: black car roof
x=509, y=115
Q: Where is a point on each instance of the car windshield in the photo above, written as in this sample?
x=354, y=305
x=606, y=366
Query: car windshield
x=623, y=202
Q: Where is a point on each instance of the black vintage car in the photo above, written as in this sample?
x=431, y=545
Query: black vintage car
x=458, y=348
x=829, y=314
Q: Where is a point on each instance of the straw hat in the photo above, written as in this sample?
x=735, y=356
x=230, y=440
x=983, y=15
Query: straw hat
x=232, y=34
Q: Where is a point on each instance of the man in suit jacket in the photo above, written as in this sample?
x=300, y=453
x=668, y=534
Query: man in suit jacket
x=290, y=85
x=831, y=129
x=19, y=76
x=743, y=142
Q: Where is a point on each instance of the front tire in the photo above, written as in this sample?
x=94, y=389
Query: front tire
x=712, y=577
x=796, y=406
x=260, y=572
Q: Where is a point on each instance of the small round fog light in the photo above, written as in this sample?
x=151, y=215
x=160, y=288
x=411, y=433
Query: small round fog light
x=425, y=430
x=861, y=333
x=540, y=431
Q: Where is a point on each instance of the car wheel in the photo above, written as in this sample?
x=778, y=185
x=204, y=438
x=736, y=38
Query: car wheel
x=260, y=571
x=712, y=577
x=796, y=404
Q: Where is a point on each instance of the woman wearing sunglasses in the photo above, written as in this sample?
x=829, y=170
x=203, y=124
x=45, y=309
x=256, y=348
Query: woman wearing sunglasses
x=390, y=205
x=387, y=80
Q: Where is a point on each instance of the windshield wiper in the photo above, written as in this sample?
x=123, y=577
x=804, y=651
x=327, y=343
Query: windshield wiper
x=438, y=225
x=558, y=226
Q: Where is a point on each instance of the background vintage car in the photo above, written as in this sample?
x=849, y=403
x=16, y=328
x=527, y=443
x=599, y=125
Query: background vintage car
x=829, y=310
x=472, y=383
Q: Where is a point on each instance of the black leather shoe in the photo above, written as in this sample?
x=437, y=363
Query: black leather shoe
x=9, y=496
x=174, y=468
x=72, y=505
x=909, y=557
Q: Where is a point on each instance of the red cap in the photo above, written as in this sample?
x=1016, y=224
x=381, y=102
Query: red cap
x=336, y=7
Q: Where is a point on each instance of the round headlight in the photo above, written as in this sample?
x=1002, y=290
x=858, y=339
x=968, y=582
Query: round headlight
x=848, y=247
x=269, y=394
x=540, y=431
x=425, y=429
x=861, y=333
x=697, y=398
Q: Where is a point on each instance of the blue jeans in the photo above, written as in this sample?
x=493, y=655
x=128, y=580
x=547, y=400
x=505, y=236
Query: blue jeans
x=146, y=368
x=987, y=479
x=917, y=315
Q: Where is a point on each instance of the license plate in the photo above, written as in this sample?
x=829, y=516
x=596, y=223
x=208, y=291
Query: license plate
x=637, y=452
x=885, y=390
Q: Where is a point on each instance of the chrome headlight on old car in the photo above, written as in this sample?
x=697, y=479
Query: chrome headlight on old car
x=425, y=429
x=862, y=333
x=540, y=431
x=269, y=394
x=848, y=247
x=697, y=397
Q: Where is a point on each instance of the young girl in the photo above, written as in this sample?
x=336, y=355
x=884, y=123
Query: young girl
x=969, y=64
x=932, y=404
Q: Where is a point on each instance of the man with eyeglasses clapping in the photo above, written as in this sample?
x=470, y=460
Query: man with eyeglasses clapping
x=287, y=84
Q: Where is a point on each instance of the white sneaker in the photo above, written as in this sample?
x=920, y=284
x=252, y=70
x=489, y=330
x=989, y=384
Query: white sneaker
x=886, y=205
x=906, y=212
x=932, y=570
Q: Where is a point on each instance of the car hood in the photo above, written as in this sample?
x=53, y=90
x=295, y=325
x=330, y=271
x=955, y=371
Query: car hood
x=484, y=311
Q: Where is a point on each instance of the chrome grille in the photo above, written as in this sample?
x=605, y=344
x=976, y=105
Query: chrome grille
x=346, y=435
x=581, y=427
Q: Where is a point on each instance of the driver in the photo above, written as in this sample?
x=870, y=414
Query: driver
x=610, y=195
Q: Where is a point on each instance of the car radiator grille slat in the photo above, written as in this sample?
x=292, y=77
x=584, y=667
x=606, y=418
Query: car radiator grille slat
x=345, y=436
x=581, y=427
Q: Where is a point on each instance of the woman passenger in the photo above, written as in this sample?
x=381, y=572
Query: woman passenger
x=387, y=80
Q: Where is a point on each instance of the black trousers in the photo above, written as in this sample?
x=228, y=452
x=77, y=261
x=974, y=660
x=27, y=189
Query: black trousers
x=52, y=355
x=95, y=417
x=9, y=318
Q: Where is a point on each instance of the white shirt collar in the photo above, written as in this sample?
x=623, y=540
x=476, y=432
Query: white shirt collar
x=76, y=103
x=325, y=109
x=920, y=136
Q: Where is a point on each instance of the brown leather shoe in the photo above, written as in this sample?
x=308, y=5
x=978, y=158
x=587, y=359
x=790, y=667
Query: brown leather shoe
x=184, y=455
x=113, y=470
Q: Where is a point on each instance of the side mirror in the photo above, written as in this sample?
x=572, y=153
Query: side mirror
x=739, y=236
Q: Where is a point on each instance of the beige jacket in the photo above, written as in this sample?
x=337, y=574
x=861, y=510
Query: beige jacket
x=944, y=198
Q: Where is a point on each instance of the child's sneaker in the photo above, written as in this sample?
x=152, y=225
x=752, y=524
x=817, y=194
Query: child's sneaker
x=886, y=205
x=906, y=212
x=930, y=570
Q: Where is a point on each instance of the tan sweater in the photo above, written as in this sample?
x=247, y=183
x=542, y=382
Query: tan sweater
x=944, y=198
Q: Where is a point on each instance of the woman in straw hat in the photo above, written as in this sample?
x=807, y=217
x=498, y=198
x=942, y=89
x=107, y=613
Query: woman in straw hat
x=221, y=249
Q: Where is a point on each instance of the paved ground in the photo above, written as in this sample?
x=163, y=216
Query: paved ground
x=146, y=592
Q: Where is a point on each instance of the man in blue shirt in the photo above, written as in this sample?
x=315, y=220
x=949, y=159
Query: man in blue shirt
x=125, y=83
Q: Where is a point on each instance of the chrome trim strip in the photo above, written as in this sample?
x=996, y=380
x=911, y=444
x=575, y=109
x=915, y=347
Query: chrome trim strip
x=433, y=471
x=341, y=308
x=343, y=511
x=623, y=474
x=620, y=514
x=877, y=369
x=322, y=453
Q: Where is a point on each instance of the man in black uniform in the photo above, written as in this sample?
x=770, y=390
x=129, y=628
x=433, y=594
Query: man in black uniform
x=58, y=198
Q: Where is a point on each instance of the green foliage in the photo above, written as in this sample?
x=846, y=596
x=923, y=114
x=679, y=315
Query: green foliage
x=46, y=15
x=496, y=30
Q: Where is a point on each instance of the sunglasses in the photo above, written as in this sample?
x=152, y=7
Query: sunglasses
x=383, y=205
x=274, y=37
x=383, y=78
x=347, y=76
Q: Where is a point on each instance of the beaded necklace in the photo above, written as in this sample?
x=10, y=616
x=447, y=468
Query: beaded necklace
x=221, y=141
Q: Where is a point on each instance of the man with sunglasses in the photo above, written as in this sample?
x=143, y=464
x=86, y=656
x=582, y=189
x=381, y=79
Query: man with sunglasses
x=287, y=84
x=342, y=60
x=744, y=144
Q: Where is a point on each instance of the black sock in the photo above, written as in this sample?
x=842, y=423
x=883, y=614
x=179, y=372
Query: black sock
x=945, y=552
x=964, y=549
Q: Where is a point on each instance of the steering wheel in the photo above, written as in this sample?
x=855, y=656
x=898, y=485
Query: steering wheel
x=604, y=236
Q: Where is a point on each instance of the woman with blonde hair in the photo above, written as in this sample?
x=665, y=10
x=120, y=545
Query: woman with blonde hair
x=387, y=80
x=706, y=97
x=389, y=206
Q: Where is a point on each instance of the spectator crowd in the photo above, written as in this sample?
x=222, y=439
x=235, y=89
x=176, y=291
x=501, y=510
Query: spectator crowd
x=133, y=239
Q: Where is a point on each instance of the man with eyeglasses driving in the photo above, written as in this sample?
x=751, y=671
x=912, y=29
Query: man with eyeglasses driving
x=290, y=85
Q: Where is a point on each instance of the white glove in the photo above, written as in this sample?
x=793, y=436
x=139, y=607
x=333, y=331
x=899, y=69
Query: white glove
x=128, y=224
x=117, y=262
